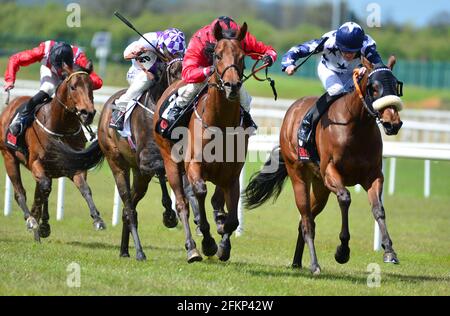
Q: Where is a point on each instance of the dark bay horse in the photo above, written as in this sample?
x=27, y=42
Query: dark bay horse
x=62, y=118
x=350, y=149
x=145, y=161
x=218, y=109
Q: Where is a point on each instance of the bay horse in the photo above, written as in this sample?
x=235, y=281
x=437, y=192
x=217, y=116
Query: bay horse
x=60, y=119
x=349, y=145
x=145, y=160
x=219, y=109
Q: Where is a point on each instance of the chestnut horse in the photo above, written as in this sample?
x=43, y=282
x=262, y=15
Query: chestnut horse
x=349, y=145
x=62, y=119
x=218, y=109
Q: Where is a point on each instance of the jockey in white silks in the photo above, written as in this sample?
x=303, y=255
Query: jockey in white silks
x=146, y=68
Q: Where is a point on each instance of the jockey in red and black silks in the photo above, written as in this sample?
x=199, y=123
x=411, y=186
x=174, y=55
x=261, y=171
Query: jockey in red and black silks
x=198, y=64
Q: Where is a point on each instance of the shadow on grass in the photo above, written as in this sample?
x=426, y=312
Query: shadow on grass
x=105, y=246
x=266, y=270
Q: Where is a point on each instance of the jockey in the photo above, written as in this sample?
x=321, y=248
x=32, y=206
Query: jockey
x=52, y=56
x=198, y=65
x=145, y=67
x=341, y=53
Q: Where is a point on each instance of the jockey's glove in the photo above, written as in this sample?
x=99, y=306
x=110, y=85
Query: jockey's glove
x=267, y=60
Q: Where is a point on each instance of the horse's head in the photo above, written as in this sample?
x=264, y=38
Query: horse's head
x=77, y=88
x=383, y=92
x=229, y=60
x=173, y=66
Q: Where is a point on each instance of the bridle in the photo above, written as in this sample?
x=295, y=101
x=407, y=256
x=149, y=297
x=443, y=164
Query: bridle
x=169, y=66
x=219, y=76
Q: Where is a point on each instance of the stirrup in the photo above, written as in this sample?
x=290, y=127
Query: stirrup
x=117, y=120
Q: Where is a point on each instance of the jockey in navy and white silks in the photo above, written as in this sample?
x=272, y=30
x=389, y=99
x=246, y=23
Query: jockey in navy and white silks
x=341, y=53
x=146, y=67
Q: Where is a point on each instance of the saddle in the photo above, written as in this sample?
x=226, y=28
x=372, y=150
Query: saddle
x=18, y=143
x=311, y=119
x=162, y=126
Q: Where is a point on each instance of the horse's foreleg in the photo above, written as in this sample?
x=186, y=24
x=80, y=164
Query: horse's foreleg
x=13, y=171
x=334, y=182
x=374, y=190
x=176, y=183
x=209, y=246
x=170, y=219
x=80, y=182
x=231, y=196
x=193, y=202
x=218, y=203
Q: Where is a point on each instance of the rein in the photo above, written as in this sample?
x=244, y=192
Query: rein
x=372, y=112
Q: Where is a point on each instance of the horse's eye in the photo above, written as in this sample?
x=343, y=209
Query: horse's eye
x=72, y=88
x=218, y=57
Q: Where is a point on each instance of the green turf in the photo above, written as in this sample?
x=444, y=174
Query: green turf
x=260, y=259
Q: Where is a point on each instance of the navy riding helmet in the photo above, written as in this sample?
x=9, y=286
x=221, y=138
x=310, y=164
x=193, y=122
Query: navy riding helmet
x=350, y=37
x=61, y=53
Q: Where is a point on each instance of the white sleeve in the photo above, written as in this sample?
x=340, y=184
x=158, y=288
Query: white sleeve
x=130, y=48
x=152, y=37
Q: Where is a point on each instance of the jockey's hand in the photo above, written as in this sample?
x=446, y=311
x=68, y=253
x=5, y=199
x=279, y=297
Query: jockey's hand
x=362, y=71
x=290, y=70
x=267, y=59
x=8, y=86
x=139, y=50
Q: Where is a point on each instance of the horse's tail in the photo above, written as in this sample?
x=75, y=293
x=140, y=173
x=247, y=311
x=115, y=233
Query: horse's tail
x=70, y=161
x=266, y=183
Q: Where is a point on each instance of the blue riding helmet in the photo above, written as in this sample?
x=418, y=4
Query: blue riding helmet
x=350, y=37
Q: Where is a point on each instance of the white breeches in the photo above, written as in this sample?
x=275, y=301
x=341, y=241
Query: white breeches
x=335, y=83
x=49, y=81
x=139, y=82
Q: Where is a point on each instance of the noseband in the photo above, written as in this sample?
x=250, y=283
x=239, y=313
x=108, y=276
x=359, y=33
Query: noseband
x=169, y=66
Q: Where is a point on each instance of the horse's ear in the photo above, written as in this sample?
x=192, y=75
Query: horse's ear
x=391, y=62
x=218, y=31
x=242, y=32
x=66, y=70
x=366, y=63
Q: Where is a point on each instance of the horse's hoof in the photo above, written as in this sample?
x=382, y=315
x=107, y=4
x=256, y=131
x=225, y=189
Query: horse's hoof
x=32, y=224
x=209, y=247
x=124, y=255
x=342, y=254
x=44, y=230
x=140, y=256
x=224, y=251
x=315, y=270
x=170, y=219
x=193, y=256
x=99, y=224
x=296, y=266
x=391, y=257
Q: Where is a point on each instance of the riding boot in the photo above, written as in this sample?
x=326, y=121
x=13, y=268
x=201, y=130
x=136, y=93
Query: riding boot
x=25, y=116
x=173, y=114
x=117, y=119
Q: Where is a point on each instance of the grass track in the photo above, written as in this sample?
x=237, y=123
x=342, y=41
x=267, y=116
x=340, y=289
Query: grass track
x=260, y=259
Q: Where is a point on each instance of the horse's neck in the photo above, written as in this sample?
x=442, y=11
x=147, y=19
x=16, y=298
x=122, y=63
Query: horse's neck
x=219, y=110
x=56, y=118
x=357, y=113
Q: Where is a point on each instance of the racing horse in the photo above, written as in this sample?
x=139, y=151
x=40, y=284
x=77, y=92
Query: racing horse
x=350, y=146
x=217, y=110
x=60, y=119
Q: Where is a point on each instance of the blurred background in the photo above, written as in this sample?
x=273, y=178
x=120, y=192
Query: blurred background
x=417, y=33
